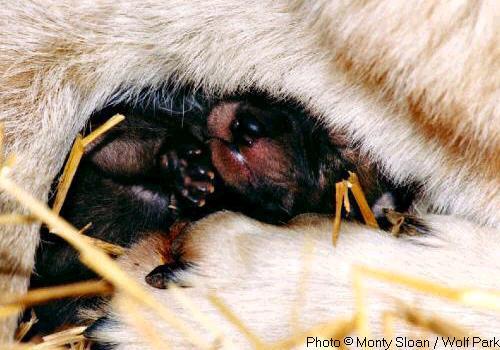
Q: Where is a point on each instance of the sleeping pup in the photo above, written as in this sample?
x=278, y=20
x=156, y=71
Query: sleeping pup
x=248, y=154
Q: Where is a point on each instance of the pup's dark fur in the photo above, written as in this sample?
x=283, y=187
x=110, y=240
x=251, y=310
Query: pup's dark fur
x=263, y=158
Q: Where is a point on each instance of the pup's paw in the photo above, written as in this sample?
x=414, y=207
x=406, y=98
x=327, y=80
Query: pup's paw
x=187, y=171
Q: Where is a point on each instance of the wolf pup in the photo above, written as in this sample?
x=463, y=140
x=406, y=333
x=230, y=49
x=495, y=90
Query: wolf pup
x=250, y=154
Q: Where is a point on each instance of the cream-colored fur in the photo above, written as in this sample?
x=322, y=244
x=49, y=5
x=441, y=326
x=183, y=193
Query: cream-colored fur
x=416, y=82
x=256, y=268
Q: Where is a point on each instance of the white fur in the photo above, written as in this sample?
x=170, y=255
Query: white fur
x=256, y=269
x=62, y=60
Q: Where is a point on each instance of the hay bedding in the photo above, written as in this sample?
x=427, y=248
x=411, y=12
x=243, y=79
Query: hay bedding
x=95, y=254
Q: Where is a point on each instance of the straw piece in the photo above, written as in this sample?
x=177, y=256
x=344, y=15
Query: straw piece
x=16, y=219
x=432, y=323
x=43, y=295
x=28, y=346
x=24, y=327
x=336, y=329
x=110, y=123
x=342, y=200
x=59, y=339
x=465, y=296
x=255, y=340
x=339, y=195
x=361, y=315
x=71, y=332
x=474, y=297
x=75, y=157
x=485, y=299
x=8, y=311
x=197, y=314
x=10, y=161
x=347, y=203
x=96, y=259
x=109, y=248
x=69, y=172
x=83, y=345
x=388, y=319
x=145, y=328
x=360, y=198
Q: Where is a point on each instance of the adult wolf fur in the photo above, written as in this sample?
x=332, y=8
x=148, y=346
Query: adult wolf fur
x=252, y=281
x=380, y=69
